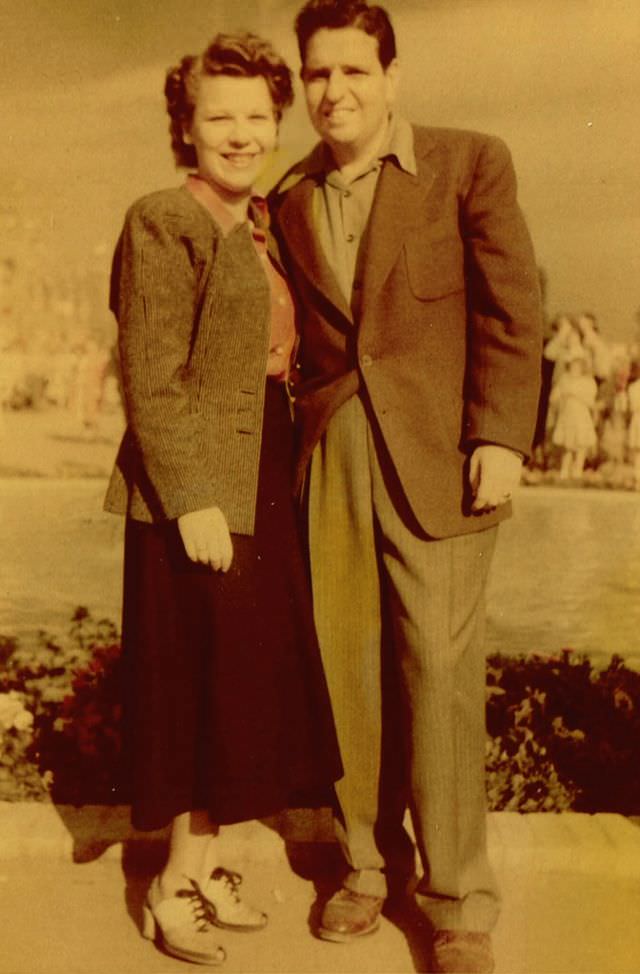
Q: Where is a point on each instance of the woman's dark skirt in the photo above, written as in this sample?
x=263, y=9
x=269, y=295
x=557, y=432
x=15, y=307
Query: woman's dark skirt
x=227, y=706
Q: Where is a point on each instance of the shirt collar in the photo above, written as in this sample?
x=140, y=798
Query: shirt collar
x=206, y=194
x=400, y=145
x=397, y=147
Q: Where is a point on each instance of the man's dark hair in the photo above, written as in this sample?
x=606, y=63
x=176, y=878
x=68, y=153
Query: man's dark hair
x=334, y=14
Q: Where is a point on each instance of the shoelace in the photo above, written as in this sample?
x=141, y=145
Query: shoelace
x=231, y=881
x=198, y=906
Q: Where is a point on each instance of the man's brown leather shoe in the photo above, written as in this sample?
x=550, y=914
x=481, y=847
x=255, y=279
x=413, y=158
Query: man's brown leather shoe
x=348, y=915
x=462, y=952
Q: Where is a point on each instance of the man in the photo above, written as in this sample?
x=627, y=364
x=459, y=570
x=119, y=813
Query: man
x=420, y=361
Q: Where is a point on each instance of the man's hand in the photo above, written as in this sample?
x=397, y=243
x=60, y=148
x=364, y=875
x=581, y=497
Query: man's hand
x=494, y=473
x=206, y=538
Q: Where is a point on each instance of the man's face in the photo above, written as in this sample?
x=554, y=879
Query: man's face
x=349, y=93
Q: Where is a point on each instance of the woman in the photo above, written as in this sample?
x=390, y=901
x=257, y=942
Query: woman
x=633, y=433
x=574, y=396
x=229, y=712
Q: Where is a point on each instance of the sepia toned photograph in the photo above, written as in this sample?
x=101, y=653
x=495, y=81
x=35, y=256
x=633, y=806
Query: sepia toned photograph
x=320, y=487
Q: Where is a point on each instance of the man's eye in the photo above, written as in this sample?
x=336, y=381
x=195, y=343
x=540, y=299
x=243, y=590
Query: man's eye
x=259, y=118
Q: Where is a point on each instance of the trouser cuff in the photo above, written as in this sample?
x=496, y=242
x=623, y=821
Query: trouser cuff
x=371, y=882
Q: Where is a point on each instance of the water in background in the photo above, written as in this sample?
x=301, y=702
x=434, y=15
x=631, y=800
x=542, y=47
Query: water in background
x=566, y=571
x=567, y=574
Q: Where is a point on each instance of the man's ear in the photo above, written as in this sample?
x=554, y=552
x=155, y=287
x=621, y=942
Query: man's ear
x=392, y=74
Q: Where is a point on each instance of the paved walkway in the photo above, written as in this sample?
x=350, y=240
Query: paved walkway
x=571, y=887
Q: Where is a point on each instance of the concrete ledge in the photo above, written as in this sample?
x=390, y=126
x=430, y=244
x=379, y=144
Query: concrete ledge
x=568, y=842
x=39, y=829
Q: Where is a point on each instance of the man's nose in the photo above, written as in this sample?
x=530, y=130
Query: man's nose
x=335, y=85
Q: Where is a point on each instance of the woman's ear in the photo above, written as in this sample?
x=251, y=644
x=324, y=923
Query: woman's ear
x=187, y=138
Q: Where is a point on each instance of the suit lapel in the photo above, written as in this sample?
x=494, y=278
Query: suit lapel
x=399, y=205
x=296, y=223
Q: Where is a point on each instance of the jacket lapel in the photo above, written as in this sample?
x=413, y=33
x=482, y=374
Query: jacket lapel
x=296, y=223
x=399, y=205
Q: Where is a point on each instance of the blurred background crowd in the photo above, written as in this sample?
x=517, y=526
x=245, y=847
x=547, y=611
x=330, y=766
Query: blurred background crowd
x=588, y=429
x=75, y=374
x=57, y=347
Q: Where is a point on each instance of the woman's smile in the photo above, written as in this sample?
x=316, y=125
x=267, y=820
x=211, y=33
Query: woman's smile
x=233, y=130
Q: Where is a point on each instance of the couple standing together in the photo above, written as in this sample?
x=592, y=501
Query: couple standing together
x=390, y=283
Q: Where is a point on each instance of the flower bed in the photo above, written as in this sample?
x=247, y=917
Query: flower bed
x=72, y=690
x=561, y=733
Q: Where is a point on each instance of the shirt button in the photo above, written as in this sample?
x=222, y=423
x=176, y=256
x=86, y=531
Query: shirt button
x=347, y=194
x=350, y=238
x=366, y=361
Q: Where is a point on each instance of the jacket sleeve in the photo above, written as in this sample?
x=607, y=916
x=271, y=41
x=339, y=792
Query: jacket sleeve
x=504, y=313
x=154, y=295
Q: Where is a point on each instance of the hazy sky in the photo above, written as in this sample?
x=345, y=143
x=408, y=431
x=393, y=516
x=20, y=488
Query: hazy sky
x=85, y=131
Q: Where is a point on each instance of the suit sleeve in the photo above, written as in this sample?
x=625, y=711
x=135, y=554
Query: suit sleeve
x=505, y=317
x=154, y=297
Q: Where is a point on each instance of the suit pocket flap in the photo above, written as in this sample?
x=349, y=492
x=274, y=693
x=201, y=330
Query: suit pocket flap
x=435, y=268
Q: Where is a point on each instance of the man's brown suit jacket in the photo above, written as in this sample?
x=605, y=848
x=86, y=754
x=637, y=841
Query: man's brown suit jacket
x=446, y=344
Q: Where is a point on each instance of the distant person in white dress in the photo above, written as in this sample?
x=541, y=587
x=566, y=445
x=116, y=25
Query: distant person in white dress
x=633, y=442
x=598, y=350
x=574, y=397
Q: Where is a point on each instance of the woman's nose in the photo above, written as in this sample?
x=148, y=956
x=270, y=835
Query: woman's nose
x=240, y=134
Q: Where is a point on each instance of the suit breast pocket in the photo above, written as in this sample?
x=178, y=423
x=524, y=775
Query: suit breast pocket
x=435, y=268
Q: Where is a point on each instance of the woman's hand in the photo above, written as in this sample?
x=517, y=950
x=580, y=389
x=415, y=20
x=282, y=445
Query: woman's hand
x=206, y=538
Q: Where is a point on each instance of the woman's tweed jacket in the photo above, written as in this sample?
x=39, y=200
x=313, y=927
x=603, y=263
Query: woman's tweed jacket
x=193, y=308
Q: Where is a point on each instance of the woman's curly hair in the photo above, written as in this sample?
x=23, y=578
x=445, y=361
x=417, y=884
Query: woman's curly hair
x=237, y=55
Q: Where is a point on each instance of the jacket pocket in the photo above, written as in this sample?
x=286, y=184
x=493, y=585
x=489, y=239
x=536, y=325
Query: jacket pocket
x=435, y=268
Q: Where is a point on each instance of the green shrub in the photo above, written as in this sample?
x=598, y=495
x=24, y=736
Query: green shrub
x=521, y=777
x=562, y=734
x=561, y=720
x=72, y=687
x=19, y=777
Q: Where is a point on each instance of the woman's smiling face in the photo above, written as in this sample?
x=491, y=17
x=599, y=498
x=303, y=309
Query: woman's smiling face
x=233, y=130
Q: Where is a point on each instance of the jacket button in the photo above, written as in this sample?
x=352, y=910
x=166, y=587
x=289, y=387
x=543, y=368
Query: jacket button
x=366, y=361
